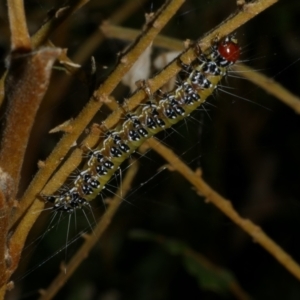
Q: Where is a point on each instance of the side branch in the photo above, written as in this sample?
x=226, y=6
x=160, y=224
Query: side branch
x=224, y=205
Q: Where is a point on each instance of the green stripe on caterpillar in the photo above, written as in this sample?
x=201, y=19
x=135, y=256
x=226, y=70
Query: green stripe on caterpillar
x=159, y=113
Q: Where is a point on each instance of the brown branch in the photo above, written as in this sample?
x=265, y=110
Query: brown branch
x=16, y=243
x=7, y=190
x=2, y=292
x=81, y=122
x=91, y=240
x=20, y=40
x=224, y=205
x=26, y=83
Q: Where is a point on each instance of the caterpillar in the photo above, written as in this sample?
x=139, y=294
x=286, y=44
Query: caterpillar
x=160, y=112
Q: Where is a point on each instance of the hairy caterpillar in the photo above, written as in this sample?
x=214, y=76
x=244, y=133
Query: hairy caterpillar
x=159, y=113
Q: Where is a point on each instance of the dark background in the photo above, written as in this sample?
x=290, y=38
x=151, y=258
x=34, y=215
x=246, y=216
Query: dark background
x=247, y=145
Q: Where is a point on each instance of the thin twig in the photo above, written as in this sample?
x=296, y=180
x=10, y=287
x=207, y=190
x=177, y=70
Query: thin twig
x=128, y=34
x=57, y=17
x=224, y=205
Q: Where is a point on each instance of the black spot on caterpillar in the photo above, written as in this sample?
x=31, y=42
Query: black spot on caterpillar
x=159, y=113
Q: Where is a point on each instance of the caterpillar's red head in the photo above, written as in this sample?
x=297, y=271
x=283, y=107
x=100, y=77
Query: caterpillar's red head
x=229, y=49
